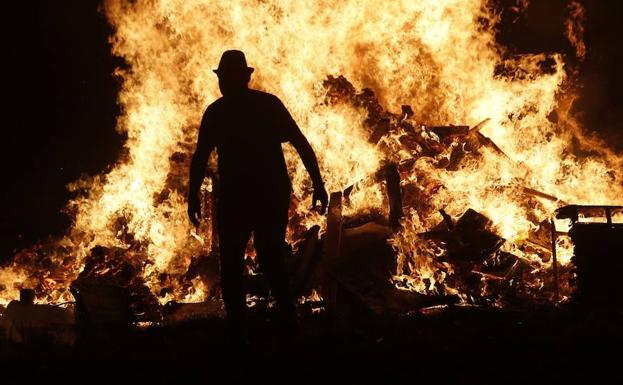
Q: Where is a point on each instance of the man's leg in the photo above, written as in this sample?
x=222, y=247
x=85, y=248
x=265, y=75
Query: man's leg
x=233, y=237
x=269, y=241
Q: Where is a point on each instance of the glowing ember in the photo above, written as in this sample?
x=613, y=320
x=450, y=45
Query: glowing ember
x=439, y=57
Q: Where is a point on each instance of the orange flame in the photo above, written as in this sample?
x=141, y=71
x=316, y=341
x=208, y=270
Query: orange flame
x=574, y=28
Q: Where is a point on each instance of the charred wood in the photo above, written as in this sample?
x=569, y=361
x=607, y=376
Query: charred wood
x=101, y=305
x=469, y=240
x=486, y=142
x=307, y=257
x=363, y=273
x=394, y=195
x=536, y=193
x=175, y=312
x=110, y=286
x=449, y=131
x=598, y=263
x=332, y=248
x=25, y=322
x=447, y=219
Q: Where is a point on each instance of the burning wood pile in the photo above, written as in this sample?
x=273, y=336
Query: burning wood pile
x=361, y=255
x=465, y=252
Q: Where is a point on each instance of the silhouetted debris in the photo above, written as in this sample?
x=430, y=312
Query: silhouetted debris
x=111, y=289
x=26, y=322
x=255, y=285
x=332, y=250
x=311, y=308
x=340, y=90
x=597, y=257
x=447, y=219
x=205, y=267
x=456, y=156
x=539, y=241
x=27, y=296
x=394, y=195
x=306, y=259
x=362, y=274
x=101, y=305
x=469, y=239
x=482, y=140
x=175, y=312
x=47, y=264
x=499, y=264
x=598, y=241
x=449, y=131
x=540, y=194
x=448, y=147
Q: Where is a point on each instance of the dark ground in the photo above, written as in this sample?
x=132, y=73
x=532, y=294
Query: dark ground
x=457, y=345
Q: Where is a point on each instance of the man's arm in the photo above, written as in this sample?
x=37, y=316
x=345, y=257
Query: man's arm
x=305, y=151
x=290, y=132
x=205, y=145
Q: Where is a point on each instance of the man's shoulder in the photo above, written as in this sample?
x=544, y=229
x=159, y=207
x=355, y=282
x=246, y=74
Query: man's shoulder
x=265, y=96
x=215, y=105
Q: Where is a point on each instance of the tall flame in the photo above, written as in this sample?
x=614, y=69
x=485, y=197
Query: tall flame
x=574, y=28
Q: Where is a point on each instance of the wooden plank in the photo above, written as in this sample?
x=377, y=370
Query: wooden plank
x=554, y=261
x=394, y=195
x=333, y=239
x=307, y=259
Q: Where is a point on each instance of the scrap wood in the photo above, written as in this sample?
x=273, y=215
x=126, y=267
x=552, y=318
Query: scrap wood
x=499, y=265
x=101, y=304
x=541, y=248
x=469, y=239
x=28, y=322
x=332, y=246
x=363, y=273
x=390, y=174
x=434, y=234
x=532, y=192
x=479, y=126
x=430, y=147
x=447, y=219
x=175, y=312
x=485, y=141
x=540, y=194
x=394, y=195
x=451, y=130
x=307, y=256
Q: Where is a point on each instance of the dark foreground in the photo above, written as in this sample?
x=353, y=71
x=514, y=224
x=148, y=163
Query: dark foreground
x=452, y=345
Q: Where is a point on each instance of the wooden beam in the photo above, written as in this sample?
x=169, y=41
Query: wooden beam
x=554, y=261
x=394, y=195
x=332, y=248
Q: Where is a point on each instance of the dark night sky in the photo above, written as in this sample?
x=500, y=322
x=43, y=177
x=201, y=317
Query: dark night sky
x=61, y=100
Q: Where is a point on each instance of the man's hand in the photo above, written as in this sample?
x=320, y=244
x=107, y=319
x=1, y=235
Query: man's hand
x=320, y=194
x=194, y=210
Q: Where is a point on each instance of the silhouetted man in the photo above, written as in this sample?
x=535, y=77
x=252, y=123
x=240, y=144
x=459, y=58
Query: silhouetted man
x=247, y=128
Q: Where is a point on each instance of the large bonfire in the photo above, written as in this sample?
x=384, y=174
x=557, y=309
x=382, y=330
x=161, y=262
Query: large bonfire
x=369, y=83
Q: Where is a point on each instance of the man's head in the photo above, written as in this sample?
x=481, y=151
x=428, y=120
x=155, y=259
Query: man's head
x=233, y=73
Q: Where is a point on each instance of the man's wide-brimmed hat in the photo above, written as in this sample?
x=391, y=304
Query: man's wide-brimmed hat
x=232, y=62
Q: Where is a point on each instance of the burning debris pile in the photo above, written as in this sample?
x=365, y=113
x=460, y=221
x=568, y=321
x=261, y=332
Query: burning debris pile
x=464, y=253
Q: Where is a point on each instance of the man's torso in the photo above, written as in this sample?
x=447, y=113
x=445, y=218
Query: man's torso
x=247, y=131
